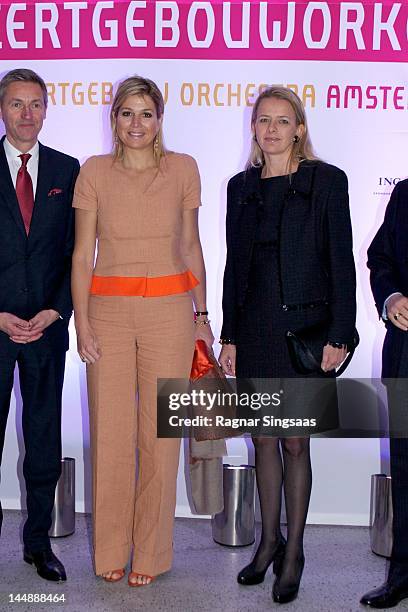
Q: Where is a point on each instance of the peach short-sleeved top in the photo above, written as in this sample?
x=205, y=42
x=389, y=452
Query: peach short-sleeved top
x=139, y=223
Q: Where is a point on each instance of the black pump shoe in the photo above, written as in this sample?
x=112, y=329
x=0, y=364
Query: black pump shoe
x=387, y=595
x=287, y=593
x=248, y=576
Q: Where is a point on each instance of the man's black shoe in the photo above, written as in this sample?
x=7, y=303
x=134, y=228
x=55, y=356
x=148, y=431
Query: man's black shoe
x=387, y=595
x=47, y=564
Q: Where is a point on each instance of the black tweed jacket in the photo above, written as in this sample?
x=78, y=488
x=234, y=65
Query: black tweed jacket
x=315, y=246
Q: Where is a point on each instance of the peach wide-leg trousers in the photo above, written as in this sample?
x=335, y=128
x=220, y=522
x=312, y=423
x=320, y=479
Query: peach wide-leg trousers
x=141, y=339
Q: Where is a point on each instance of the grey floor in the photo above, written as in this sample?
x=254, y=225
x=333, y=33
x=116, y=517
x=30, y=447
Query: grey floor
x=339, y=568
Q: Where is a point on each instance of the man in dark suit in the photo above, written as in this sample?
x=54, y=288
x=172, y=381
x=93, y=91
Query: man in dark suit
x=388, y=262
x=36, y=243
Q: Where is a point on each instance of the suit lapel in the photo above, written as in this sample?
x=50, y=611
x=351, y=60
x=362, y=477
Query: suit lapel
x=43, y=184
x=7, y=191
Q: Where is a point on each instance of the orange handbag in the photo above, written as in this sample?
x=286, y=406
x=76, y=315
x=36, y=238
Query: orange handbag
x=206, y=374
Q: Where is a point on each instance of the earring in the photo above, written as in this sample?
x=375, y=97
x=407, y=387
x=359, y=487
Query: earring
x=296, y=138
x=156, y=146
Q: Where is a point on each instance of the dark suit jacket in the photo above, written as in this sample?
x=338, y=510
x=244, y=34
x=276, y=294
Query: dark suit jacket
x=315, y=245
x=35, y=270
x=388, y=263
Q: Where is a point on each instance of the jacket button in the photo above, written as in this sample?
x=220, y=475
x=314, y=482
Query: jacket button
x=284, y=307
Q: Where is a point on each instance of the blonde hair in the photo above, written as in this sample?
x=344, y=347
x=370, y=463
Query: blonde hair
x=138, y=86
x=302, y=149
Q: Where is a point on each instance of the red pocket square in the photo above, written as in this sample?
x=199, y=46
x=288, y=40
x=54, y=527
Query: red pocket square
x=54, y=191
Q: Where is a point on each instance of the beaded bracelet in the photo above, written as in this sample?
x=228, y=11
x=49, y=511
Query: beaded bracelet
x=205, y=322
x=226, y=341
x=200, y=313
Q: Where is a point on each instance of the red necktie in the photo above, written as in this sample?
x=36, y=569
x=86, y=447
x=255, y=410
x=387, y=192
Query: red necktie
x=24, y=191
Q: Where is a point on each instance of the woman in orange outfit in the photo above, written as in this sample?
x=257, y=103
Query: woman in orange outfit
x=135, y=323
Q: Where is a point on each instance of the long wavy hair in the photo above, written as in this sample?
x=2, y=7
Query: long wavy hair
x=302, y=149
x=138, y=86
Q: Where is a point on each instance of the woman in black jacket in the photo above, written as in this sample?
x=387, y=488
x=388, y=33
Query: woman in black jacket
x=289, y=266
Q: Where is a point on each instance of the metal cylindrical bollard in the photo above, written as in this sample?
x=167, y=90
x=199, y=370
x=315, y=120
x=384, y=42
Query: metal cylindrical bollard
x=381, y=515
x=63, y=513
x=235, y=525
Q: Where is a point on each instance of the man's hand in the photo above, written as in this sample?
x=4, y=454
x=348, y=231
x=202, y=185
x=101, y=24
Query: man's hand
x=34, y=328
x=17, y=329
x=12, y=325
x=43, y=319
x=397, y=311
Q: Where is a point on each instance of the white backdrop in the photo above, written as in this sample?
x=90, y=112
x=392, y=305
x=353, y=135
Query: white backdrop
x=368, y=143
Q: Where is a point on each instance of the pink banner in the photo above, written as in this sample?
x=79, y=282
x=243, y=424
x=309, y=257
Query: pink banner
x=281, y=30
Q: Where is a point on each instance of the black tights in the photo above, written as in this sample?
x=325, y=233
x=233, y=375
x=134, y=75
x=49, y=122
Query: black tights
x=286, y=462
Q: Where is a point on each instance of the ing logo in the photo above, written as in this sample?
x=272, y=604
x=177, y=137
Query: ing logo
x=385, y=185
x=385, y=181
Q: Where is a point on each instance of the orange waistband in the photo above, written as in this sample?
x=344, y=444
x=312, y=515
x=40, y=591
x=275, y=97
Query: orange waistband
x=142, y=285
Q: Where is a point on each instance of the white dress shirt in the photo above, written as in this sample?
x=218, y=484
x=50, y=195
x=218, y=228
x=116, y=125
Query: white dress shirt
x=14, y=162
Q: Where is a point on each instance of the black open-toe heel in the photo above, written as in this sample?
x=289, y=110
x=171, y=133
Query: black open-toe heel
x=286, y=593
x=249, y=576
